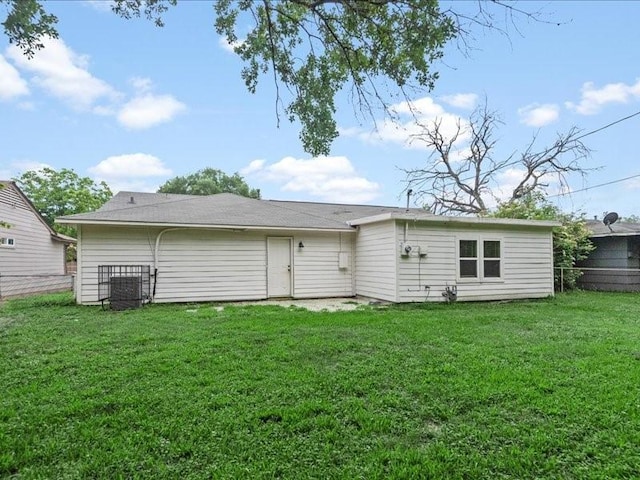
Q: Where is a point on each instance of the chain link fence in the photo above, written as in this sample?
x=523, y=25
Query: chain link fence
x=602, y=279
x=20, y=285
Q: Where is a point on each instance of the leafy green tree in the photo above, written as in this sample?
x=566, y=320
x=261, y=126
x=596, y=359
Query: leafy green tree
x=27, y=23
x=570, y=240
x=207, y=182
x=55, y=193
x=631, y=219
x=313, y=49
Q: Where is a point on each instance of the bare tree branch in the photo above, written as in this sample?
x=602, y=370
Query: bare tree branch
x=461, y=173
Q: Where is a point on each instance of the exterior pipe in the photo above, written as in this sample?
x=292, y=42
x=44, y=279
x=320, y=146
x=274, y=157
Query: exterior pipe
x=156, y=252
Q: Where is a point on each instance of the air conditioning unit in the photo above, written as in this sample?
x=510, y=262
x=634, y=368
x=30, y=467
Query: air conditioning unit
x=124, y=286
x=126, y=292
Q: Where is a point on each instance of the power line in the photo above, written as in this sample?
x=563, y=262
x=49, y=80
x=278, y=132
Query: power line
x=620, y=120
x=593, y=186
x=608, y=125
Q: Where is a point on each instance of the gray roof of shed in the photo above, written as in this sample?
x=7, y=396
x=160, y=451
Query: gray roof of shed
x=226, y=209
x=618, y=229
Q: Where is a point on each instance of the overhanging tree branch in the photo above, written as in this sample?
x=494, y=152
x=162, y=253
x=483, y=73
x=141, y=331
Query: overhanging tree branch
x=381, y=50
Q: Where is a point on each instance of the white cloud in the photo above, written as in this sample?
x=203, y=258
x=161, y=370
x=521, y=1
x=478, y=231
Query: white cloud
x=254, y=166
x=414, y=118
x=11, y=84
x=141, y=84
x=331, y=179
x=461, y=100
x=594, y=99
x=149, y=110
x=536, y=115
x=422, y=107
x=100, y=5
x=136, y=185
x=64, y=74
x=128, y=166
x=229, y=47
x=16, y=168
x=29, y=165
x=507, y=181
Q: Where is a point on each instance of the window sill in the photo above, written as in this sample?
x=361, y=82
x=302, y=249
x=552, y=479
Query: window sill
x=480, y=281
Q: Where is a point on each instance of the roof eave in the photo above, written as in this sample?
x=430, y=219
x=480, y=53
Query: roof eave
x=506, y=222
x=614, y=234
x=58, y=237
x=198, y=225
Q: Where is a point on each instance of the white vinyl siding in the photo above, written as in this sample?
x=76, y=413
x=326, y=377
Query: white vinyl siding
x=219, y=265
x=376, y=256
x=213, y=265
x=109, y=246
x=526, y=263
x=34, y=251
x=317, y=271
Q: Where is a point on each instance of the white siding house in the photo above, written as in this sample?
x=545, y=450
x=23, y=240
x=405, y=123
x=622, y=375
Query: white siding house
x=415, y=258
x=32, y=255
x=198, y=265
x=376, y=261
x=224, y=247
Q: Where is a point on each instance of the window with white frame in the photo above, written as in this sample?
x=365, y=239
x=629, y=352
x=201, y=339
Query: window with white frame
x=491, y=259
x=468, y=259
x=7, y=242
x=479, y=259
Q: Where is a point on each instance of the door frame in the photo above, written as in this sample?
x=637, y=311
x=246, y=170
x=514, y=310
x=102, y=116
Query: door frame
x=291, y=267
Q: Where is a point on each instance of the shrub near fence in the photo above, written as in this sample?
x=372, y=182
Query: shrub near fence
x=18, y=285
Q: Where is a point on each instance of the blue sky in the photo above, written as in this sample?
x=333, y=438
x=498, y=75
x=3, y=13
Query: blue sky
x=134, y=105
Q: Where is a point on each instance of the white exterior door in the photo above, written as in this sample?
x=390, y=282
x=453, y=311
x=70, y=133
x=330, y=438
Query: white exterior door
x=278, y=267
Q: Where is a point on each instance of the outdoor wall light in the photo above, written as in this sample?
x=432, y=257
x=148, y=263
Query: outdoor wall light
x=301, y=245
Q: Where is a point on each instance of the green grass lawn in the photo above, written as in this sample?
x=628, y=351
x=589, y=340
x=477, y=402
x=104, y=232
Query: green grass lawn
x=539, y=389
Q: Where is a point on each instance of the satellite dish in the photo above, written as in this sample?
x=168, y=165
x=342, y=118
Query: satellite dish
x=609, y=219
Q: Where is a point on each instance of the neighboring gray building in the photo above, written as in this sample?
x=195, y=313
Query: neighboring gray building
x=617, y=248
x=32, y=254
x=225, y=247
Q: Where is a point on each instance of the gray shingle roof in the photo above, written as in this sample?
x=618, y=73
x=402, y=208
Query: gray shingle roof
x=599, y=229
x=226, y=209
